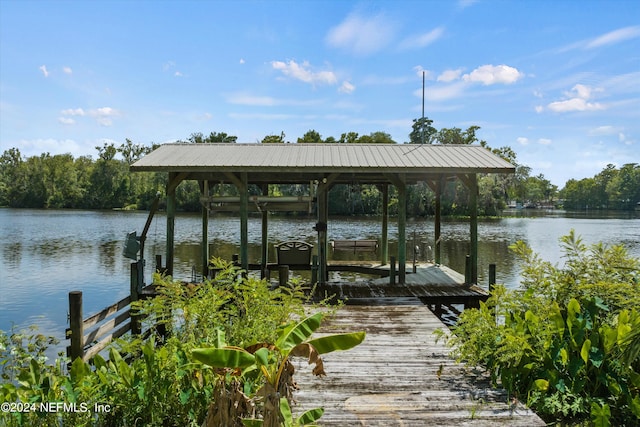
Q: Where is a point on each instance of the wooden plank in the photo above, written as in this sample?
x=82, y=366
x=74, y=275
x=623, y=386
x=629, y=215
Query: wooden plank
x=92, y=320
x=106, y=327
x=400, y=375
x=100, y=345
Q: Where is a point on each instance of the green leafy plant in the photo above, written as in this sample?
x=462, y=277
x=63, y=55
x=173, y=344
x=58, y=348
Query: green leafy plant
x=566, y=342
x=272, y=363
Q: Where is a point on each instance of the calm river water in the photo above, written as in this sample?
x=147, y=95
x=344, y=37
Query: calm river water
x=44, y=254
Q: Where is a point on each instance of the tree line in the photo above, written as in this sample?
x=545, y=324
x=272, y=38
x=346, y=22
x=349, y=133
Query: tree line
x=62, y=181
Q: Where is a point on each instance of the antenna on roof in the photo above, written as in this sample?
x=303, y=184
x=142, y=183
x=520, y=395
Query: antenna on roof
x=422, y=107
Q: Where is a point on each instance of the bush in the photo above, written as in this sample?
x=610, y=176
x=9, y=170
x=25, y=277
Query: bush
x=153, y=381
x=567, y=341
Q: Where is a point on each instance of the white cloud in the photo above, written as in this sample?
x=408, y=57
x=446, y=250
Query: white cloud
x=493, y=74
x=178, y=74
x=362, y=35
x=73, y=112
x=304, y=73
x=241, y=61
x=615, y=37
x=67, y=70
x=43, y=68
x=544, y=141
x=103, y=115
x=577, y=100
x=66, y=120
x=602, y=130
x=346, y=87
x=539, y=108
x=422, y=40
x=265, y=101
x=441, y=93
x=522, y=140
x=450, y=75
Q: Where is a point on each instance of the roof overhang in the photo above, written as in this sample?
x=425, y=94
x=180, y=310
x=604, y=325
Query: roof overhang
x=301, y=163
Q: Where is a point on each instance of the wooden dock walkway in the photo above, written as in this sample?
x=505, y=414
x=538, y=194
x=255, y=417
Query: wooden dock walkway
x=399, y=376
x=433, y=284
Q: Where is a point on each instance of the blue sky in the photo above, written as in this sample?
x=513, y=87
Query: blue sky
x=558, y=81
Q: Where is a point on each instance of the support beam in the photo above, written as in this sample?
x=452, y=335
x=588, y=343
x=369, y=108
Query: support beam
x=264, y=252
x=471, y=182
x=384, y=253
x=174, y=180
x=321, y=228
x=244, y=221
x=437, y=237
x=399, y=181
x=402, y=230
x=205, y=231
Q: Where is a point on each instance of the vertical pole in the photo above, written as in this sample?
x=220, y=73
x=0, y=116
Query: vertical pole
x=473, y=204
x=205, y=230
x=492, y=277
x=76, y=325
x=265, y=235
x=134, y=289
x=392, y=270
x=283, y=275
x=244, y=228
x=171, y=219
x=314, y=270
x=438, y=220
x=402, y=226
x=467, y=269
x=321, y=228
x=384, y=253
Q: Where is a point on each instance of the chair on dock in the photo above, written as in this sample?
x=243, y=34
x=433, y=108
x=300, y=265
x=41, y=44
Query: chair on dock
x=355, y=246
x=294, y=253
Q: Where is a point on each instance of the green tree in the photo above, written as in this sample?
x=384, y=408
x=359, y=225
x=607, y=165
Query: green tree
x=274, y=139
x=348, y=138
x=422, y=131
x=311, y=136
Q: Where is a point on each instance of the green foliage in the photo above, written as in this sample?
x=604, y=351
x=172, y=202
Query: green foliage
x=154, y=381
x=610, y=189
x=271, y=360
x=564, y=342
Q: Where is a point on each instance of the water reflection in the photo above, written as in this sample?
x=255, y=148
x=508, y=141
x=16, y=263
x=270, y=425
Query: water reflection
x=47, y=253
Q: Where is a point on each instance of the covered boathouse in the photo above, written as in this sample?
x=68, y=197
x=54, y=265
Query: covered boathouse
x=320, y=166
x=376, y=384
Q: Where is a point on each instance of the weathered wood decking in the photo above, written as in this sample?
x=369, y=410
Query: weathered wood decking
x=393, y=379
x=433, y=284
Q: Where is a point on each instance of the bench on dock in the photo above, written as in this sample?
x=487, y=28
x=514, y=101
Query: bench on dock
x=294, y=253
x=355, y=245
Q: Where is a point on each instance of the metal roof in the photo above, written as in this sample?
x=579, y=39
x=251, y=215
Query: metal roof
x=276, y=163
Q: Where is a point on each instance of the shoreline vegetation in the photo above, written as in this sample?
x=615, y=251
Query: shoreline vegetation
x=62, y=181
x=566, y=343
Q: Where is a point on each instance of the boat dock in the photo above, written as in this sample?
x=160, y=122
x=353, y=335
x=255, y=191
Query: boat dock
x=400, y=375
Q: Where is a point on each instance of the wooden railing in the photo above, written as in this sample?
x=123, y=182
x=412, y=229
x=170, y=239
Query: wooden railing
x=91, y=335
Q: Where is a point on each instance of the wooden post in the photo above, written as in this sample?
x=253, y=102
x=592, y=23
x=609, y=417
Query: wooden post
x=136, y=326
x=473, y=205
x=283, y=275
x=392, y=270
x=244, y=218
x=76, y=325
x=205, y=231
x=265, y=235
x=171, y=221
x=384, y=253
x=467, y=270
x=402, y=226
x=492, y=277
x=321, y=228
x=314, y=269
x=438, y=220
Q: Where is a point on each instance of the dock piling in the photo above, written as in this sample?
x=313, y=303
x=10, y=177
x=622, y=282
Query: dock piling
x=76, y=325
